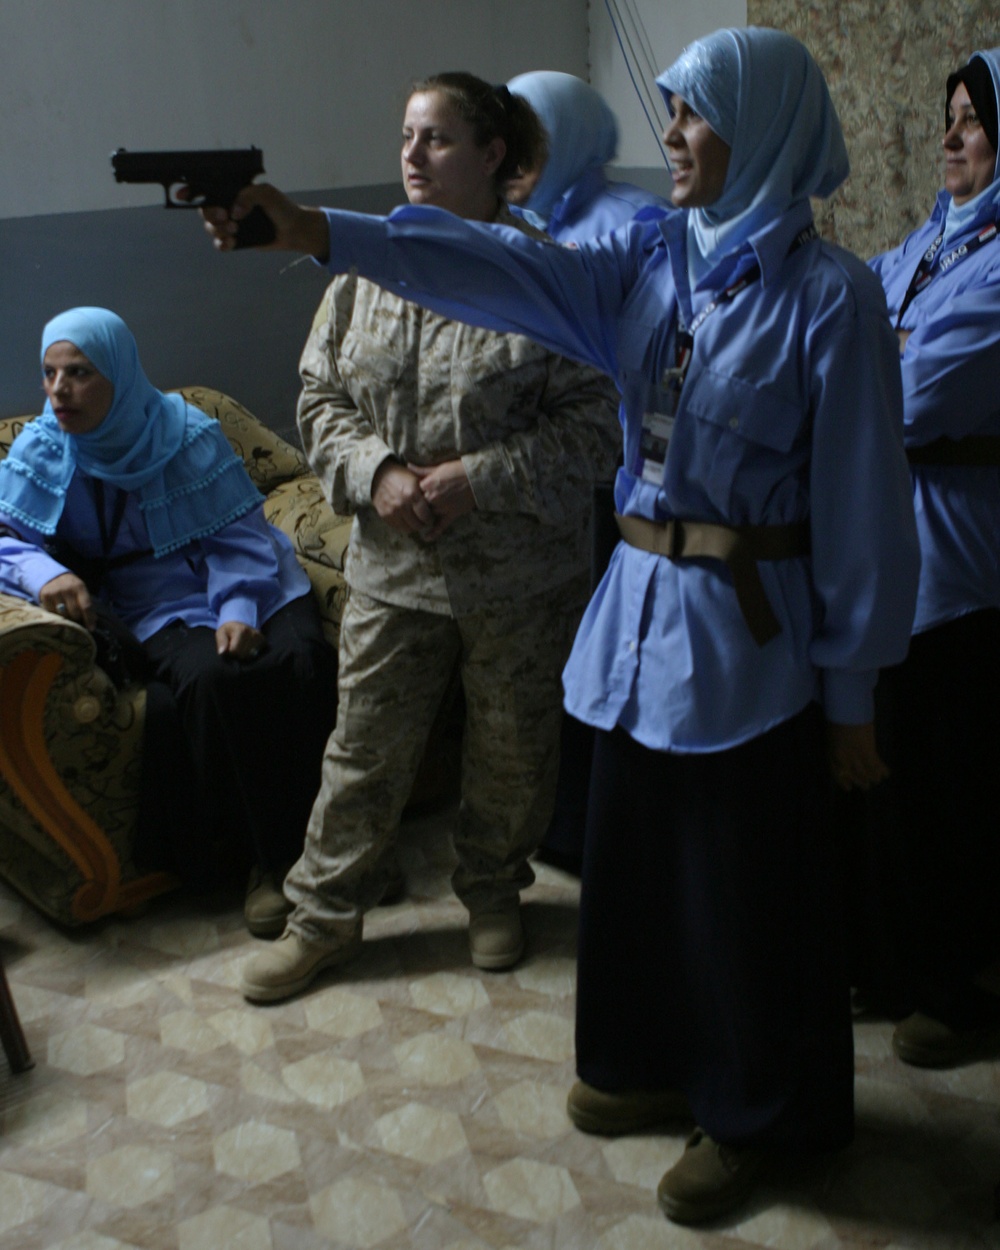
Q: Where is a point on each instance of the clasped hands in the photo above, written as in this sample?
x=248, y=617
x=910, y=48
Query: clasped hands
x=422, y=500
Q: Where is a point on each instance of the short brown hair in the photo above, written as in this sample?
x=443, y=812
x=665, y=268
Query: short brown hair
x=493, y=112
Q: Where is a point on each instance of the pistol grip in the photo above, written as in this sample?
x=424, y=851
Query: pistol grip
x=255, y=230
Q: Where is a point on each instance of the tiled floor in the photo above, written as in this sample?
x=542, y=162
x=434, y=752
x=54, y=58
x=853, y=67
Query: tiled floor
x=409, y=1101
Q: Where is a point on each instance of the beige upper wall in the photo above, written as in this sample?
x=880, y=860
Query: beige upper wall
x=886, y=62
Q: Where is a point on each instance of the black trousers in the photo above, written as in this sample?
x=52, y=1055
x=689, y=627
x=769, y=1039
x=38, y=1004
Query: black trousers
x=232, y=749
x=711, y=958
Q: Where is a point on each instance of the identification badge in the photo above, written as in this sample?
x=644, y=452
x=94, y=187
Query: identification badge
x=657, y=427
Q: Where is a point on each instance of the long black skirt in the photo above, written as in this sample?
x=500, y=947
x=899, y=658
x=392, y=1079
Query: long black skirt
x=562, y=845
x=232, y=749
x=924, y=848
x=711, y=955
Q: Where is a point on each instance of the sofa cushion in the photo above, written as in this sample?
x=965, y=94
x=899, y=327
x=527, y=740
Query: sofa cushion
x=10, y=427
x=268, y=458
x=300, y=510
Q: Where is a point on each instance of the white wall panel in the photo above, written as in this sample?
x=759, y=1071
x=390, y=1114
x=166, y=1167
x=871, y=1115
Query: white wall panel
x=670, y=26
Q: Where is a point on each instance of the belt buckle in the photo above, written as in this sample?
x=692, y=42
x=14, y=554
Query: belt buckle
x=673, y=537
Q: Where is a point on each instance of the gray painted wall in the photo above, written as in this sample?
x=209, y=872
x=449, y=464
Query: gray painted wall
x=236, y=322
x=318, y=84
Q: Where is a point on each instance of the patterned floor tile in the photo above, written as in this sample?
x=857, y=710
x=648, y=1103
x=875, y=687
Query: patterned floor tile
x=409, y=1102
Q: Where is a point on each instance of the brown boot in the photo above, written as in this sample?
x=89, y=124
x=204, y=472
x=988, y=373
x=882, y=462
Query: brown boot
x=708, y=1180
x=291, y=963
x=611, y=1115
x=265, y=908
x=496, y=938
x=928, y=1043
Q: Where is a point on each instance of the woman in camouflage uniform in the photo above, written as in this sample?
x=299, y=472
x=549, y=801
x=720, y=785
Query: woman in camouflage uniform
x=467, y=457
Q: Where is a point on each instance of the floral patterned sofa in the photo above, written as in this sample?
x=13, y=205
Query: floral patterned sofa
x=71, y=742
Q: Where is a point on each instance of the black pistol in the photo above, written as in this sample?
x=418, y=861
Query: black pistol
x=214, y=177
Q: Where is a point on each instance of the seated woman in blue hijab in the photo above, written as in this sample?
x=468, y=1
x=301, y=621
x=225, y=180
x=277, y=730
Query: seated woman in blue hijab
x=936, y=827
x=122, y=499
x=767, y=570
x=570, y=196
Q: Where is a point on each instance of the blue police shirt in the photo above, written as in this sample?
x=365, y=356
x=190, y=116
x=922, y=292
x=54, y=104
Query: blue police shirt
x=951, y=388
x=791, y=411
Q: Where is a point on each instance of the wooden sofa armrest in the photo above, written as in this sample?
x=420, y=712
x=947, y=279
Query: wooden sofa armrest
x=70, y=760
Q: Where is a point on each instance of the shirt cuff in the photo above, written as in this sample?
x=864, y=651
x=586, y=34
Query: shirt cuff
x=241, y=609
x=365, y=461
x=352, y=235
x=848, y=696
x=35, y=570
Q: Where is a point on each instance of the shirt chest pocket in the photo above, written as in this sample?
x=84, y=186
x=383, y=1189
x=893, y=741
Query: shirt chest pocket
x=482, y=358
x=732, y=408
x=639, y=346
x=370, y=362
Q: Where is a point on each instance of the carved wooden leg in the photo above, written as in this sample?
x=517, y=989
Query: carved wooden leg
x=11, y=1034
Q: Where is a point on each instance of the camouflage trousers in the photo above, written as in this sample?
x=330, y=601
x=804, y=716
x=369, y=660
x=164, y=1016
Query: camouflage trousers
x=395, y=666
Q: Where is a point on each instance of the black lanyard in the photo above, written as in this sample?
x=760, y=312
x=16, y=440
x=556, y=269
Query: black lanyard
x=929, y=263
x=109, y=535
x=684, y=343
x=93, y=569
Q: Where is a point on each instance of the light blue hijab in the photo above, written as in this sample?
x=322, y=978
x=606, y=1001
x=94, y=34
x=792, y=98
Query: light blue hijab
x=189, y=481
x=960, y=215
x=764, y=96
x=581, y=128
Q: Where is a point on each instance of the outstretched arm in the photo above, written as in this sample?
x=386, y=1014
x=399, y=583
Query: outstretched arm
x=569, y=300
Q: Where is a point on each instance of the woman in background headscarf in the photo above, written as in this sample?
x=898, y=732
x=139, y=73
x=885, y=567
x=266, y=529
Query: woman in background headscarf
x=121, y=498
x=569, y=195
x=768, y=569
x=938, y=836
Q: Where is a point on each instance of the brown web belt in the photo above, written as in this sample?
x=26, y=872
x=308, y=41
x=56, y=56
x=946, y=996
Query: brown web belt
x=738, y=547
